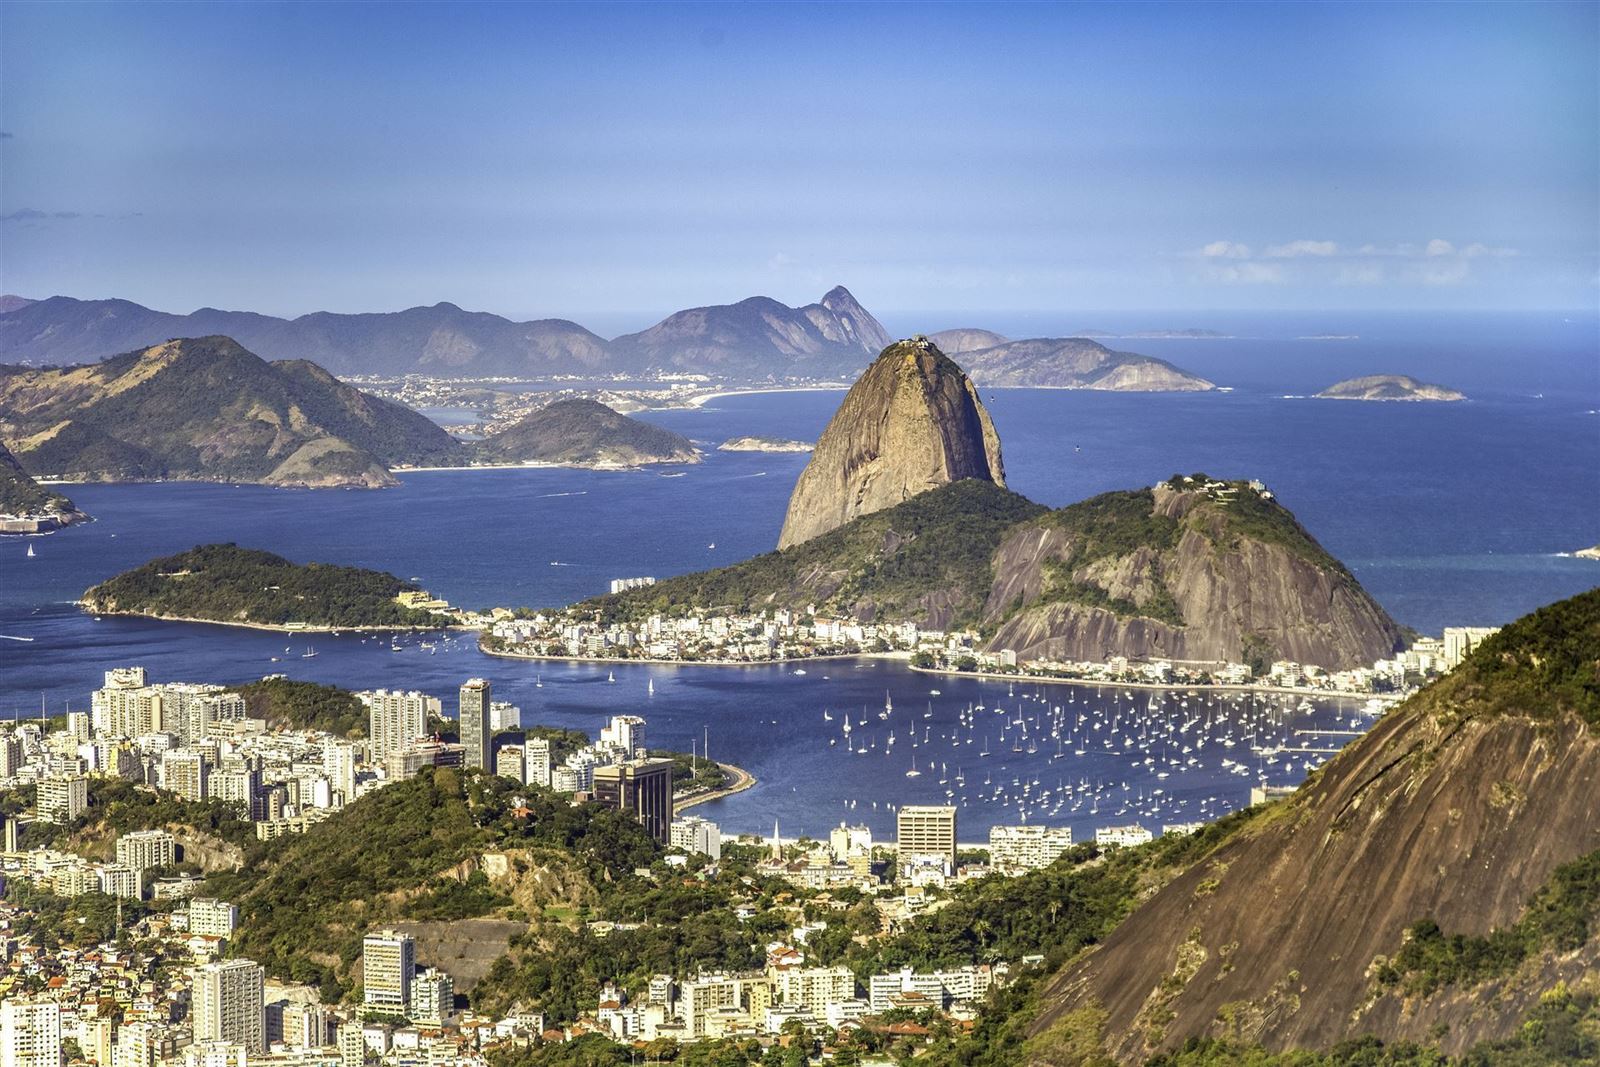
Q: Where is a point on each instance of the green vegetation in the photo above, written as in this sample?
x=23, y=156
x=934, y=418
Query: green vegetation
x=311, y=897
x=1114, y=524
x=226, y=583
x=21, y=495
x=1557, y=917
x=1543, y=665
x=119, y=807
x=581, y=431
x=291, y=705
x=204, y=407
x=689, y=772
x=1250, y=516
x=937, y=546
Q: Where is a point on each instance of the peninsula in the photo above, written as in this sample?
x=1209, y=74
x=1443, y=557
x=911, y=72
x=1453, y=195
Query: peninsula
x=1389, y=387
x=245, y=587
x=26, y=507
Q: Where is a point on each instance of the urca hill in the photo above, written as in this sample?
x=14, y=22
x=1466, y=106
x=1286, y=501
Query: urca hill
x=903, y=514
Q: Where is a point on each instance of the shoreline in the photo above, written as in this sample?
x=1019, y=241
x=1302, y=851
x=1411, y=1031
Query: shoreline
x=289, y=628
x=1221, y=687
x=701, y=400
x=694, y=662
x=742, y=780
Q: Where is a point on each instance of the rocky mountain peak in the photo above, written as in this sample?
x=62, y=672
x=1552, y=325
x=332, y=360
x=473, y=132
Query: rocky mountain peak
x=912, y=422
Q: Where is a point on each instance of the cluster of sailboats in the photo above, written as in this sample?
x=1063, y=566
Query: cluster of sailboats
x=1151, y=755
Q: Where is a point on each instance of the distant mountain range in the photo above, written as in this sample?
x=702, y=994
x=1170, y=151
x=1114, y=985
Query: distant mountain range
x=207, y=409
x=757, y=339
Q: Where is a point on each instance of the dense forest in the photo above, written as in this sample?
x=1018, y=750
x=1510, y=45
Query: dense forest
x=226, y=583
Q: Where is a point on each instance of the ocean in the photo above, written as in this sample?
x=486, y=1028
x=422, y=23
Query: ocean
x=1450, y=514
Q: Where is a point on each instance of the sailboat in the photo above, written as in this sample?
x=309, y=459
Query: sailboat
x=538, y=681
x=309, y=653
x=651, y=688
x=611, y=676
x=30, y=551
x=913, y=772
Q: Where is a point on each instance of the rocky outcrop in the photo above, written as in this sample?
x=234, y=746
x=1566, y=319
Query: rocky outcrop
x=28, y=507
x=912, y=422
x=1192, y=570
x=1457, y=807
x=1389, y=387
x=1077, y=363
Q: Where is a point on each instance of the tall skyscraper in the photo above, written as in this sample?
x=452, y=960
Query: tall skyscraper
x=643, y=787
x=30, y=1034
x=388, y=964
x=476, y=733
x=926, y=832
x=227, y=1004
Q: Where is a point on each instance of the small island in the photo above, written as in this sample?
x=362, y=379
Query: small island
x=1389, y=387
x=578, y=432
x=246, y=587
x=763, y=444
x=1588, y=553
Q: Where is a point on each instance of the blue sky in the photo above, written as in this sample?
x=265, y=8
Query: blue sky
x=618, y=161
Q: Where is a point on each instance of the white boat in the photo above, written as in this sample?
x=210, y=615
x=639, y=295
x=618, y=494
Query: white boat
x=30, y=552
x=309, y=653
x=651, y=688
x=611, y=676
x=913, y=772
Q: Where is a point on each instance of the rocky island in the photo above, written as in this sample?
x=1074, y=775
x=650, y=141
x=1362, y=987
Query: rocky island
x=911, y=423
x=1076, y=363
x=246, y=587
x=26, y=507
x=763, y=444
x=1588, y=553
x=902, y=514
x=578, y=432
x=1388, y=387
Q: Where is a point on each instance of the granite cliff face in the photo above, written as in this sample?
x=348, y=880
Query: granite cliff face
x=912, y=422
x=1472, y=808
x=1194, y=569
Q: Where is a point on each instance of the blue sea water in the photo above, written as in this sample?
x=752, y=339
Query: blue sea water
x=1448, y=513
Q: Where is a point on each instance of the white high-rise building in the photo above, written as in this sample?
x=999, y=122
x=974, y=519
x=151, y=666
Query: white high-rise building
x=339, y=764
x=433, y=997
x=184, y=772
x=30, y=1034
x=227, y=1004
x=926, y=832
x=1027, y=848
x=63, y=797
x=625, y=732
x=536, y=761
x=388, y=964
x=509, y=762
x=694, y=834
x=136, y=1046
x=143, y=849
x=209, y=917
x=395, y=720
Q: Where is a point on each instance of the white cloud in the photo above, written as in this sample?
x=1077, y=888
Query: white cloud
x=1225, y=250
x=1295, y=249
x=1440, y=247
x=1245, y=273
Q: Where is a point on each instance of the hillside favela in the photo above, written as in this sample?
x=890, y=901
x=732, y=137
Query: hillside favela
x=799, y=535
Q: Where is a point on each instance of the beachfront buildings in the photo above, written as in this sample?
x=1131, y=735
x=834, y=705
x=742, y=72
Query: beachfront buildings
x=1026, y=848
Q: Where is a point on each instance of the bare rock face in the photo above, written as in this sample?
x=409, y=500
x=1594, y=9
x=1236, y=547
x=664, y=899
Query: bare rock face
x=1457, y=806
x=911, y=423
x=1190, y=570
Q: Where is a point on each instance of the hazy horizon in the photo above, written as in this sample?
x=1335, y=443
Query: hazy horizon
x=590, y=162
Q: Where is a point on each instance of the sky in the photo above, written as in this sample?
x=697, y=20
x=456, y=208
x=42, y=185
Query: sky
x=616, y=162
